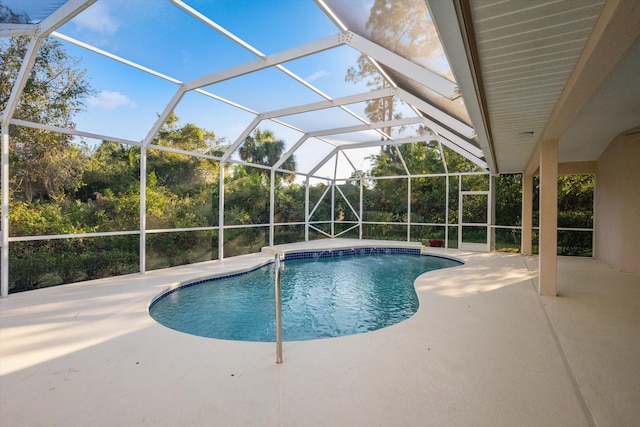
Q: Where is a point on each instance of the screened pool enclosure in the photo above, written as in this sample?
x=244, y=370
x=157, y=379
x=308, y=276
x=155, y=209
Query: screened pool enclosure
x=201, y=139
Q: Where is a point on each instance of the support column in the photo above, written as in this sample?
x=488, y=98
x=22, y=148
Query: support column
x=143, y=210
x=272, y=206
x=408, y=209
x=548, y=268
x=306, y=209
x=527, y=213
x=491, y=214
x=221, y=212
x=333, y=198
x=361, y=209
x=446, y=211
x=4, y=265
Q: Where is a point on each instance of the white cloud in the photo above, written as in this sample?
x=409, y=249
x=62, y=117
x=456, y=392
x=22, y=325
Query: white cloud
x=107, y=99
x=96, y=18
x=316, y=76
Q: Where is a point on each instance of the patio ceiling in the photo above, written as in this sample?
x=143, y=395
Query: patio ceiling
x=563, y=69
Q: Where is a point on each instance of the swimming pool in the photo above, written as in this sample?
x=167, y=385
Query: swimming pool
x=324, y=294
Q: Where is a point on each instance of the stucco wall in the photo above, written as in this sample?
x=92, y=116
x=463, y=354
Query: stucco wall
x=617, y=207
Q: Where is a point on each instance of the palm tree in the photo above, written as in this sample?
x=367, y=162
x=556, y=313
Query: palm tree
x=264, y=149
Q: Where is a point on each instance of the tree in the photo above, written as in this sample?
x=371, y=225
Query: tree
x=402, y=27
x=10, y=17
x=263, y=148
x=509, y=199
x=423, y=157
x=188, y=137
x=182, y=173
x=109, y=165
x=43, y=165
x=575, y=210
x=575, y=201
x=56, y=87
x=376, y=110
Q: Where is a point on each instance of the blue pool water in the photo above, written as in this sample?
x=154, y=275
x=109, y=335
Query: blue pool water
x=321, y=298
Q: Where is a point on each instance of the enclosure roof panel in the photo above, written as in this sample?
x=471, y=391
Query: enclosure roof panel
x=33, y=11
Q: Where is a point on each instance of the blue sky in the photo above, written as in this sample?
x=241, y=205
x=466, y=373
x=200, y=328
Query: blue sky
x=161, y=36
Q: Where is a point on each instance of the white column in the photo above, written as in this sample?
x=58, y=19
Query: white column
x=333, y=198
x=143, y=209
x=4, y=265
x=272, y=206
x=527, y=213
x=491, y=214
x=221, y=214
x=408, y=209
x=548, y=268
x=446, y=213
x=306, y=210
x=459, y=212
x=361, y=207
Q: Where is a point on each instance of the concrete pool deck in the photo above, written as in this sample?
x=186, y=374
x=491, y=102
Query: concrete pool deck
x=483, y=349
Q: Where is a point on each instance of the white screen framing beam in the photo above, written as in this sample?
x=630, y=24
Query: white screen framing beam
x=74, y=132
x=322, y=162
x=410, y=69
x=479, y=162
x=290, y=152
x=327, y=104
x=21, y=81
x=450, y=139
x=193, y=12
x=454, y=138
x=17, y=30
x=399, y=141
x=455, y=147
x=316, y=46
x=64, y=14
x=241, y=138
x=115, y=57
x=4, y=215
x=420, y=74
x=321, y=105
x=437, y=114
x=163, y=116
x=370, y=126
x=334, y=18
x=196, y=14
x=146, y=70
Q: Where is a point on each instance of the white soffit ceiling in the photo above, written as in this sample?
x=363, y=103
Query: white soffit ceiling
x=614, y=108
x=527, y=50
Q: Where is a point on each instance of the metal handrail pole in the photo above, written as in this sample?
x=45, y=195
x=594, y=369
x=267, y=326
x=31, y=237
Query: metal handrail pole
x=278, y=313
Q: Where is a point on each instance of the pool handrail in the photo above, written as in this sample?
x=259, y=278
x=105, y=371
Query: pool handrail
x=278, y=311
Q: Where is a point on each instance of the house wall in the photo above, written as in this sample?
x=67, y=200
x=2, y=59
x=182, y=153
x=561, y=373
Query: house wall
x=617, y=206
